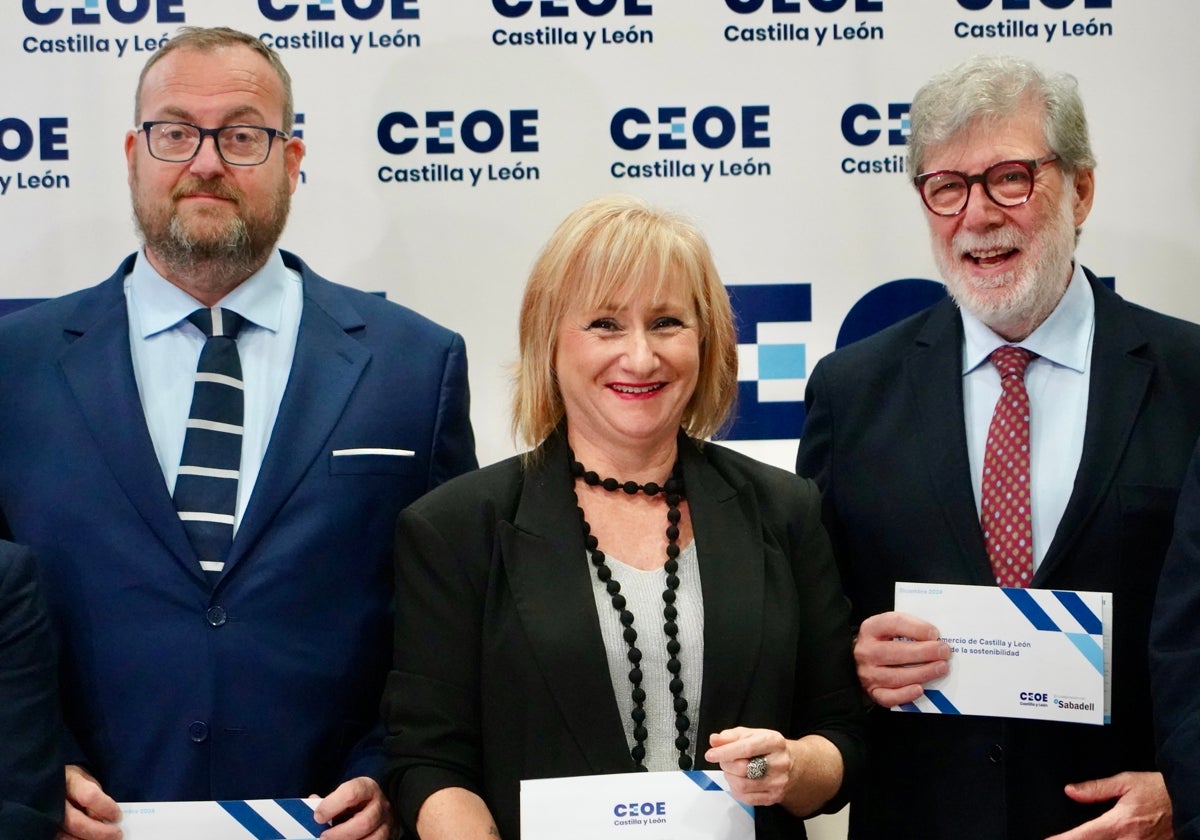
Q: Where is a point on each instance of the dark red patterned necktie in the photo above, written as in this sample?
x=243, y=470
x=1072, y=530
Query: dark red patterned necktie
x=1005, y=506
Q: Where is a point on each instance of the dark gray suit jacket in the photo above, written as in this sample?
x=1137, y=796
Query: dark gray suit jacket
x=885, y=439
x=501, y=673
x=1175, y=661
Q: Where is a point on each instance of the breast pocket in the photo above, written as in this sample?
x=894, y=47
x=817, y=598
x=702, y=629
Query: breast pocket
x=372, y=461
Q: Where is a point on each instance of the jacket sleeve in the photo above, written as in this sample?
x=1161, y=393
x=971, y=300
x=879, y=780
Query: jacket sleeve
x=1175, y=661
x=31, y=766
x=431, y=702
x=454, y=439
x=829, y=700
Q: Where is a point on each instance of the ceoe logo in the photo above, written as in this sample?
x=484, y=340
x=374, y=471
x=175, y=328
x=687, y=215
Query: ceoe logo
x=859, y=113
x=165, y=11
x=560, y=8
x=480, y=131
x=357, y=9
x=713, y=127
x=18, y=137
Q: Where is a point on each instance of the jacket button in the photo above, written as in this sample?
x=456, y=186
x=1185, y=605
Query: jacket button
x=198, y=731
x=995, y=753
x=216, y=616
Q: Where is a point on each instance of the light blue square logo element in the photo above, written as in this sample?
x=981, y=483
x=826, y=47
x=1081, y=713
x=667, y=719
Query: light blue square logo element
x=761, y=415
x=446, y=131
x=782, y=361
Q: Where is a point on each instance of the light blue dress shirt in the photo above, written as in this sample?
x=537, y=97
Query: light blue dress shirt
x=1057, y=383
x=166, y=348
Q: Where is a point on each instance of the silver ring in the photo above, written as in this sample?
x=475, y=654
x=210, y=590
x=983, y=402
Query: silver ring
x=756, y=767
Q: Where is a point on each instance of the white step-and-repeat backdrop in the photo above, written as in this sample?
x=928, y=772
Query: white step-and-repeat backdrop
x=447, y=138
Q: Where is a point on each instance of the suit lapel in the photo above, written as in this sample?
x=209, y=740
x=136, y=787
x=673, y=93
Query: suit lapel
x=544, y=560
x=1116, y=391
x=327, y=366
x=728, y=533
x=98, y=367
x=934, y=372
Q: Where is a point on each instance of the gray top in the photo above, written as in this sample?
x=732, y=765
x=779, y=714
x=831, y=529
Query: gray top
x=643, y=592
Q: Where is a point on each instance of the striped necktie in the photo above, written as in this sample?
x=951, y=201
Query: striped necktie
x=206, y=488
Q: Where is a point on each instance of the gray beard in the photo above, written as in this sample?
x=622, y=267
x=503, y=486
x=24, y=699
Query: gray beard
x=215, y=264
x=233, y=252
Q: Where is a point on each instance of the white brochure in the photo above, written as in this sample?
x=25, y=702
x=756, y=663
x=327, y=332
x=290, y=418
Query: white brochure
x=674, y=805
x=243, y=819
x=1024, y=653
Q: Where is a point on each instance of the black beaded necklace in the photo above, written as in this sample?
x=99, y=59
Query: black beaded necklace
x=673, y=491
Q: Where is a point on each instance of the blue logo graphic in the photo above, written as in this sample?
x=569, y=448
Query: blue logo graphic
x=772, y=359
x=327, y=10
x=713, y=127
x=860, y=124
x=46, y=12
x=19, y=137
x=745, y=7
x=887, y=304
x=481, y=131
x=561, y=8
x=1018, y=5
x=263, y=822
x=863, y=126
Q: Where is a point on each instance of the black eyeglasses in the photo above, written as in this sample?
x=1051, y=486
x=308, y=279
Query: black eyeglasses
x=1008, y=183
x=238, y=145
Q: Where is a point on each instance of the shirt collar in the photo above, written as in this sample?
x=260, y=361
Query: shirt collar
x=159, y=304
x=1063, y=338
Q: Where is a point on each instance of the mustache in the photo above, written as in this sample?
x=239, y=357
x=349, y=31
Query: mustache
x=218, y=187
x=1007, y=240
x=1004, y=239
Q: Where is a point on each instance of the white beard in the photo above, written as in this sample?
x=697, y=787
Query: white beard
x=1016, y=302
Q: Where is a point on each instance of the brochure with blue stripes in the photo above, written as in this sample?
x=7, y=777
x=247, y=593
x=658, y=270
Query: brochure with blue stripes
x=1044, y=654
x=677, y=804
x=240, y=819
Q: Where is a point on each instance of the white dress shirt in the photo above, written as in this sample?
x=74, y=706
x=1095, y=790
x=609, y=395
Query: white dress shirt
x=166, y=349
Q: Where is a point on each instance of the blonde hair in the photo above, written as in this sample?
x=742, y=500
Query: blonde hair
x=593, y=256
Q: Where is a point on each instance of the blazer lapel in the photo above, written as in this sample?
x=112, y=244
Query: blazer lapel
x=327, y=366
x=728, y=533
x=934, y=372
x=544, y=559
x=98, y=367
x=1118, y=383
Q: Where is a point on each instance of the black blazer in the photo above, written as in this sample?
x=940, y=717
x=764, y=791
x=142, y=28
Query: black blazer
x=885, y=439
x=501, y=672
x=1175, y=661
x=31, y=765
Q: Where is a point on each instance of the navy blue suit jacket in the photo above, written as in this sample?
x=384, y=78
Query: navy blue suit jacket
x=31, y=774
x=267, y=685
x=886, y=441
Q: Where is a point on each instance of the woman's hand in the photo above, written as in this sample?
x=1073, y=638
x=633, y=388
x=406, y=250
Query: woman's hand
x=801, y=775
x=733, y=749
